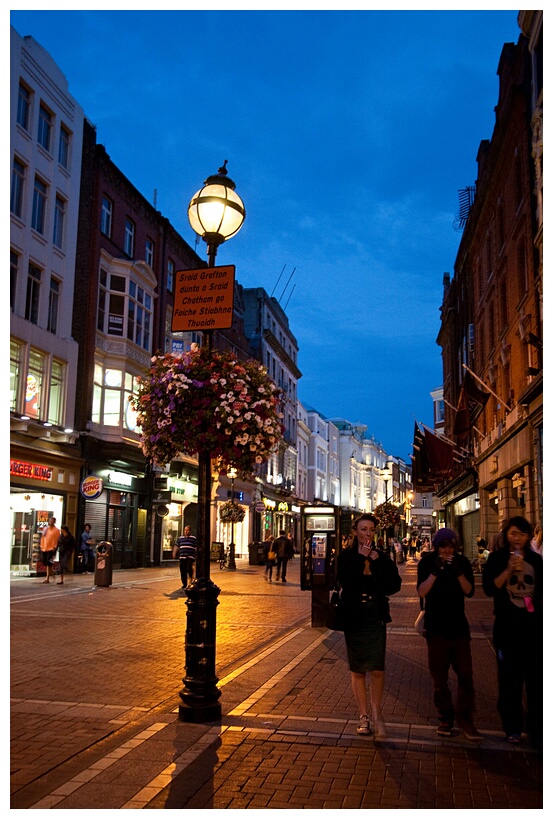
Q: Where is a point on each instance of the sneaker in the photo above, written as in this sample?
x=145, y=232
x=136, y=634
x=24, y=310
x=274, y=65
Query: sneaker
x=469, y=730
x=445, y=729
x=514, y=739
x=364, y=726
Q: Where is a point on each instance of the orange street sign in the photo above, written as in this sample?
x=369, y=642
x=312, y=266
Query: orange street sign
x=204, y=299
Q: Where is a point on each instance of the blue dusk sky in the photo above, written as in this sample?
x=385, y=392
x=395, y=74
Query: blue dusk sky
x=348, y=135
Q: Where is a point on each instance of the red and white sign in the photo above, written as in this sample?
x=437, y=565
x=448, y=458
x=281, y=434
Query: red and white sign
x=26, y=470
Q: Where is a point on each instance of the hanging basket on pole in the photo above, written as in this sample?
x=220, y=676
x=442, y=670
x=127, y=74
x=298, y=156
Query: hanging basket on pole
x=209, y=402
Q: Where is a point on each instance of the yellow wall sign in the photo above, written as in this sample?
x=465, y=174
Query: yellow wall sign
x=204, y=299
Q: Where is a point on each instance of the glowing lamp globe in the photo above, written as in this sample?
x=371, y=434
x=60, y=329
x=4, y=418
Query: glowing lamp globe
x=216, y=212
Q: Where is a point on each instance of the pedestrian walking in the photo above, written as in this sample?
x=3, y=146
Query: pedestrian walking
x=66, y=547
x=186, y=544
x=284, y=551
x=85, y=547
x=366, y=577
x=48, y=545
x=444, y=579
x=270, y=557
x=513, y=576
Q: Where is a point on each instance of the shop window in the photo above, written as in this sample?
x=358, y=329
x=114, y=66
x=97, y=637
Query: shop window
x=113, y=390
x=15, y=368
x=35, y=379
x=55, y=402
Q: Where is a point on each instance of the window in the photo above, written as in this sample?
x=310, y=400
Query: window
x=39, y=206
x=149, y=258
x=15, y=368
x=59, y=221
x=129, y=237
x=18, y=179
x=55, y=402
x=35, y=379
x=44, y=128
x=63, y=150
x=170, y=275
x=23, y=106
x=53, y=305
x=522, y=272
x=139, y=316
x=113, y=390
x=14, y=267
x=33, y=293
x=106, y=219
x=122, y=313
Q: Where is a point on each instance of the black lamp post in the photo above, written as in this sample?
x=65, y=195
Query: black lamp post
x=232, y=473
x=216, y=213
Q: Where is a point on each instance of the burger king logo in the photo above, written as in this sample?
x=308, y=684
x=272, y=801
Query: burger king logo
x=91, y=487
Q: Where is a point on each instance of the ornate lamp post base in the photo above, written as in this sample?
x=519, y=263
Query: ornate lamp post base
x=200, y=694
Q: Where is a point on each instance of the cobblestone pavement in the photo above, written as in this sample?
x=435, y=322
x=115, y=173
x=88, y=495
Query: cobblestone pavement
x=95, y=681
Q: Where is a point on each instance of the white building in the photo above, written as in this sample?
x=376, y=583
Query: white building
x=303, y=436
x=46, y=128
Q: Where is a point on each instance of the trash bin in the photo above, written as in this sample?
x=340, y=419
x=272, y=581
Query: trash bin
x=255, y=554
x=104, y=570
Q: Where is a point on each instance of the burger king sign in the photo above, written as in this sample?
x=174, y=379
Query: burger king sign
x=91, y=487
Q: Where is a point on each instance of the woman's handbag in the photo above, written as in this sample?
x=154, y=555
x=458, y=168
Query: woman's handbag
x=271, y=556
x=335, y=615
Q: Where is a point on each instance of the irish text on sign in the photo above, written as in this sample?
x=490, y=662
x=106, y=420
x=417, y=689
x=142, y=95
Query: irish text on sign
x=203, y=299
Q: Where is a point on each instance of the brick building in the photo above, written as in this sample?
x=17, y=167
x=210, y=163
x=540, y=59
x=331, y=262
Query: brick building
x=492, y=318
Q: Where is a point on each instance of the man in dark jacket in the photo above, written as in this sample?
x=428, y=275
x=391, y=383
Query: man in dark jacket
x=444, y=579
x=284, y=551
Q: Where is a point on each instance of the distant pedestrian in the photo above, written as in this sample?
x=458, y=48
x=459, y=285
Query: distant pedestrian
x=444, y=580
x=270, y=557
x=85, y=547
x=66, y=547
x=284, y=552
x=513, y=576
x=366, y=577
x=48, y=546
x=186, y=545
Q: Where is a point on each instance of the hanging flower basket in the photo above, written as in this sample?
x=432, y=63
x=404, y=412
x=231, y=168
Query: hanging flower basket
x=387, y=515
x=209, y=402
x=231, y=512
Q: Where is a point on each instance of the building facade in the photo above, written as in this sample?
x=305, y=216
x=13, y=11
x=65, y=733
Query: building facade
x=491, y=315
x=46, y=131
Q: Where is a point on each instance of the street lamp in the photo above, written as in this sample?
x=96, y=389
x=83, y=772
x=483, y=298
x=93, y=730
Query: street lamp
x=232, y=473
x=386, y=476
x=216, y=213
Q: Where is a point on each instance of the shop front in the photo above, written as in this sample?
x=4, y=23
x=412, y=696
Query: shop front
x=178, y=508
x=115, y=504
x=43, y=483
x=461, y=502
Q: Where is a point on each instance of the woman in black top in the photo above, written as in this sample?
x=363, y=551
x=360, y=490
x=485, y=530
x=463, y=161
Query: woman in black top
x=66, y=547
x=513, y=576
x=366, y=576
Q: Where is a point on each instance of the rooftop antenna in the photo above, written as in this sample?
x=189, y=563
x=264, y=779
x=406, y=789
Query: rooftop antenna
x=287, y=283
x=277, y=281
x=155, y=198
x=289, y=297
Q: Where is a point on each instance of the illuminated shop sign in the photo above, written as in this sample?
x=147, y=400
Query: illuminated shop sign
x=120, y=478
x=92, y=487
x=27, y=470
